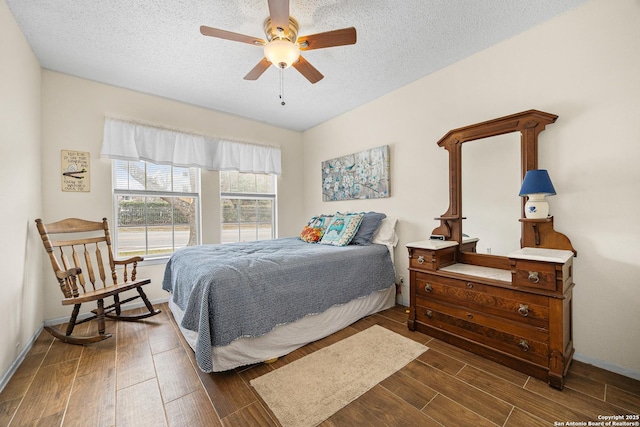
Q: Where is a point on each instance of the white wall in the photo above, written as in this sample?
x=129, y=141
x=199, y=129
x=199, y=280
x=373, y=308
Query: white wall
x=583, y=66
x=20, y=251
x=43, y=112
x=73, y=112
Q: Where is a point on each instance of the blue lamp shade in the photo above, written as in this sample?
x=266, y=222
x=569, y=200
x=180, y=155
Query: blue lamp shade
x=537, y=181
x=537, y=185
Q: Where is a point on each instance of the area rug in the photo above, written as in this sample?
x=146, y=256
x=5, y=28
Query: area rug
x=309, y=390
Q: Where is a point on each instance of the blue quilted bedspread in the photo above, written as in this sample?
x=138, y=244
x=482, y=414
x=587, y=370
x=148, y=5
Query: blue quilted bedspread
x=235, y=290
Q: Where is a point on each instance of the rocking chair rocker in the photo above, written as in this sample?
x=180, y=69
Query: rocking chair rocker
x=83, y=240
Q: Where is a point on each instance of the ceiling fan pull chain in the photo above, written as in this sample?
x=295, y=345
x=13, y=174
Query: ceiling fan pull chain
x=282, y=86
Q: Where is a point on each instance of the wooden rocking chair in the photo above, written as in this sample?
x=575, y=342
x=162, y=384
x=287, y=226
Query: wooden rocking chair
x=81, y=241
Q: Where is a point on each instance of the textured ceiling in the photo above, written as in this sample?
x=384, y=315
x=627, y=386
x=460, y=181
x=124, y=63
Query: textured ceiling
x=155, y=47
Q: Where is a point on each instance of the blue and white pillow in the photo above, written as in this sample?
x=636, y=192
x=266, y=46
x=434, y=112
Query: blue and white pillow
x=341, y=229
x=320, y=221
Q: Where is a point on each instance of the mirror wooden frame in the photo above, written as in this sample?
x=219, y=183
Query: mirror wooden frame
x=537, y=233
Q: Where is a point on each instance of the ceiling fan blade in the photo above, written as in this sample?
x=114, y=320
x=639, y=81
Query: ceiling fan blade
x=309, y=71
x=228, y=35
x=341, y=37
x=279, y=13
x=257, y=71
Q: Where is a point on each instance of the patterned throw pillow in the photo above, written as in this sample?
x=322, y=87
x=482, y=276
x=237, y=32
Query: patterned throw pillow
x=321, y=221
x=311, y=234
x=341, y=229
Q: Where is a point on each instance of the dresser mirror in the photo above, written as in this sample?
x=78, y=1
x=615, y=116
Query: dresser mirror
x=490, y=186
x=525, y=128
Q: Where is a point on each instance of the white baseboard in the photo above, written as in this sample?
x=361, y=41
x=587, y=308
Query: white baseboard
x=6, y=376
x=16, y=363
x=607, y=366
x=4, y=380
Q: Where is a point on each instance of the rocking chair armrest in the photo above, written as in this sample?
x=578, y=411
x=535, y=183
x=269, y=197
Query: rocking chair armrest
x=74, y=271
x=128, y=260
x=125, y=262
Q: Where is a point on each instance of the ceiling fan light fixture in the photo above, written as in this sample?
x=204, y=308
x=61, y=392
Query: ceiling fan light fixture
x=282, y=53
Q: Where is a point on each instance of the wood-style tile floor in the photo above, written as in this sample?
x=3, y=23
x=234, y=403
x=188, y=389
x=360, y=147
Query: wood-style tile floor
x=145, y=375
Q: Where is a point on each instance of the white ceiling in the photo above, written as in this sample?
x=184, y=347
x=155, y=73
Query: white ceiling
x=155, y=47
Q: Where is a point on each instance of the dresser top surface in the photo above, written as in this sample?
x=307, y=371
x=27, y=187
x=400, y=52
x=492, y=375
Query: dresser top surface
x=432, y=244
x=478, y=271
x=541, y=254
x=435, y=244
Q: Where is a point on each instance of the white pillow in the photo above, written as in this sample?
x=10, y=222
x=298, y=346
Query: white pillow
x=386, y=233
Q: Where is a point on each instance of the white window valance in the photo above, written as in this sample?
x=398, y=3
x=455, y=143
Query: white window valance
x=124, y=140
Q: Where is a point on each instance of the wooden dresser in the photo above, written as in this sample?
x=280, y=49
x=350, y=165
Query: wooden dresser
x=514, y=309
x=520, y=317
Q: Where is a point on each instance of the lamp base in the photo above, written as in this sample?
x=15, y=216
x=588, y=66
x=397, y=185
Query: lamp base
x=536, y=207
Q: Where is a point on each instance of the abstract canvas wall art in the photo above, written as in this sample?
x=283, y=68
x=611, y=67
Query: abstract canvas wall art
x=363, y=175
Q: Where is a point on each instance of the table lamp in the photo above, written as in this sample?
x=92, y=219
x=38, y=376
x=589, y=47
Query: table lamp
x=537, y=185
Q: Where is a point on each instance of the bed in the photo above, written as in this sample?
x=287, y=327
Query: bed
x=243, y=303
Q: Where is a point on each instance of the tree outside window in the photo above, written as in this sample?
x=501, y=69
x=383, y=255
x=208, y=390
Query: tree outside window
x=157, y=208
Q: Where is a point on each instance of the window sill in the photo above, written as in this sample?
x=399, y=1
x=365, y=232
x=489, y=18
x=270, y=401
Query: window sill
x=155, y=261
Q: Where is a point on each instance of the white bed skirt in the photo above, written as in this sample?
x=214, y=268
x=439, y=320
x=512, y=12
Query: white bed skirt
x=284, y=339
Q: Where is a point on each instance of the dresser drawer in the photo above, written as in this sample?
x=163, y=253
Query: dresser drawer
x=522, y=307
x=533, y=274
x=430, y=260
x=520, y=341
x=482, y=318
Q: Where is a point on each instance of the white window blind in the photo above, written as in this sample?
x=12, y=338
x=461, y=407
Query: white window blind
x=131, y=141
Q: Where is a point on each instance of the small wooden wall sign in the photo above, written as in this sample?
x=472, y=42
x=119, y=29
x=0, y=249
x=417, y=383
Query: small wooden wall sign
x=75, y=170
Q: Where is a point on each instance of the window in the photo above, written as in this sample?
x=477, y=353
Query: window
x=248, y=203
x=156, y=208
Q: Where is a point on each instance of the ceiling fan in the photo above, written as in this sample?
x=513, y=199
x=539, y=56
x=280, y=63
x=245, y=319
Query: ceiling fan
x=282, y=47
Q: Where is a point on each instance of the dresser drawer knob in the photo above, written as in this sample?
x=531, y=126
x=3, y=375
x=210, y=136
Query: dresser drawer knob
x=523, y=310
x=469, y=315
x=469, y=285
x=427, y=287
x=420, y=259
x=533, y=277
x=429, y=314
x=524, y=345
